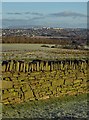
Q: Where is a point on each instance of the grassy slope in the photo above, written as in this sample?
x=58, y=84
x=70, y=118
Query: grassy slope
x=70, y=106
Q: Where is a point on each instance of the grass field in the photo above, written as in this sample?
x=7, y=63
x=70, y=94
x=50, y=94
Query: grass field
x=75, y=106
x=35, y=51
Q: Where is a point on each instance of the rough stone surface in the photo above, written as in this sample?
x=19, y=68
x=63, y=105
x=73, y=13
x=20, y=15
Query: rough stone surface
x=38, y=81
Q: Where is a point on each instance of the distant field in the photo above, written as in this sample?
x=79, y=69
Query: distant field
x=6, y=47
x=35, y=51
x=22, y=47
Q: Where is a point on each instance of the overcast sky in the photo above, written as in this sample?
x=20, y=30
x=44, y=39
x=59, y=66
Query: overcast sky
x=66, y=14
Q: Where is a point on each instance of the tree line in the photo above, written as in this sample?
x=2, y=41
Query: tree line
x=24, y=39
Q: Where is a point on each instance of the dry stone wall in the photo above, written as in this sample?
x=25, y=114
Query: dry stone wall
x=26, y=81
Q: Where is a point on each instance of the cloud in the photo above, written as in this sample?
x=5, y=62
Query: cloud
x=34, y=13
x=14, y=13
x=8, y=20
x=68, y=14
x=25, y=13
x=24, y=19
x=37, y=18
x=38, y=15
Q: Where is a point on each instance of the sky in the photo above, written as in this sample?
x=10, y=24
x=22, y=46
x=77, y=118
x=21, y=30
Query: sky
x=48, y=14
x=44, y=0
